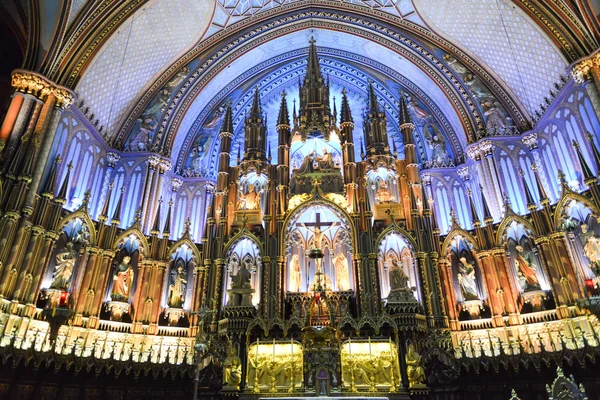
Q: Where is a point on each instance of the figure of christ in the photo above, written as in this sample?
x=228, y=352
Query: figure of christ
x=317, y=235
x=65, y=261
x=325, y=161
x=295, y=274
x=527, y=269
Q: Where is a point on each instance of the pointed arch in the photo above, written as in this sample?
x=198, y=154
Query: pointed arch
x=87, y=221
x=184, y=240
x=138, y=234
x=458, y=231
x=506, y=221
x=566, y=198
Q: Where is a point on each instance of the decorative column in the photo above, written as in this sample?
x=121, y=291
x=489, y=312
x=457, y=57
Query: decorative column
x=147, y=196
x=530, y=140
x=587, y=73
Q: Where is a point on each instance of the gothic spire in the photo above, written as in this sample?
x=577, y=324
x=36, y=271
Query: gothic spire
x=373, y=105
x=540, y=187
x=62, y=193
x=528, y=191
x=227, y=126
x=313, y=69
x=587, y=172
x=284, y=114
x=167, y=228
x=256, y=110
x=116, y=220
x=405, y=117
x=475, y=217
x=346, y=114
x=590, y=139
x=104, y=213
x=156, y=226
x=487, y=215
x=334, y=114
x=48, y=190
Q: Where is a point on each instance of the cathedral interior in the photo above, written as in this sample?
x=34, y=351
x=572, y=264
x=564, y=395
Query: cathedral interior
x=387, y=199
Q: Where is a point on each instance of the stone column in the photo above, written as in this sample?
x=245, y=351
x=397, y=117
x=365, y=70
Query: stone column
x=586, y=72
x=112, y=159
x=153, y=161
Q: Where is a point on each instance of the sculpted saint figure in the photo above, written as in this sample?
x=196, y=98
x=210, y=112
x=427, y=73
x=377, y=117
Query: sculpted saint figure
x=591, y=248
x=307, y=164
x=398, y=279
x=342, y=277
x=467, y=280
x=414, y=369
x=65, y=261
x=527, y=270
x=295, y=274
x=325, y=161
x=317, y=236
x=241, y=280
x=123, y=279
x=177, y=287
x=232, y=368
x=250, y=200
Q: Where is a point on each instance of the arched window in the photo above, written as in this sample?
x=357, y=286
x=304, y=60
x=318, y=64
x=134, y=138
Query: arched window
x=511, y=183
x=180, y=215
x=198, y=214
x=132, y=202
x=97, y=185
x=397, y=266
x=529, y=176
x=442, y=207
x=551, y=168
x=462, y=208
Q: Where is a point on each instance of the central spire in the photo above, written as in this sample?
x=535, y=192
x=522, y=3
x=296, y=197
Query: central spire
x=315, y=113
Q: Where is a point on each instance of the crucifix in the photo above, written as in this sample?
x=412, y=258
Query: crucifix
x=317, y=231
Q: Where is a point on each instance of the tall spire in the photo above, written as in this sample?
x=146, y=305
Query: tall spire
x=475, y=217
x=284, y=114
x=405, y=117
x=156, y=226
x=587, y=172
x=227, y=126
x=528, y=191
x=116, y=219
x=167, y=228
x=62, y=193
x=313, y=69
x=49, y=189
x=487, y=215
x=540, y=186
x=256, y=110
x=590, y=139
x=104, y=213
x=346, y=114
x=373, y=105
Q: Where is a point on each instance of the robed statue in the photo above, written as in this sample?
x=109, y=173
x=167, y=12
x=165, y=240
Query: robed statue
x=591, y=247
x=232, y=369
x=414, y=367
x=342, y=277
x=65, y=262
x=249, y=200
x=467, y=280
x=177, y=287
x=527, y=277
x=123, y=280
x=384, y=194
x=398, y=279
x=325, y=161
x=295, y=274
x=241, y=280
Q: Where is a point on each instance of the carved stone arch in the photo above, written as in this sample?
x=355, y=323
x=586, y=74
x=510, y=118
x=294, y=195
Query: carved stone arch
x=243, y=234
x=317, y=199
x=144, y=246
x=567, y=196
x=87, y=221
x=257, y=323
x=173, y=249
x=457, y=231
x=506, y=221
x=400, y=231
x=385, y=319
x=347, y=320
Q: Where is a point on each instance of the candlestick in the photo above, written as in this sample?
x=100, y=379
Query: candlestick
x=257, y=345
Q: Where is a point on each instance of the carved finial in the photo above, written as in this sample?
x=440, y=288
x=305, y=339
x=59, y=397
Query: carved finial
x=187, y=225
x=86, y=198
x=138, y=215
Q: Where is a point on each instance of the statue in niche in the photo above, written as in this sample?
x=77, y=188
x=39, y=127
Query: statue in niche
x=307, y=164
x=216, y=119
x=317, y=241
x=241, y=280
x=249, y=200
x=123, y=280
x=384, y=194
x=437, y=143
x=467, y=280
x=414, y=367
x=295, y=274
x=398, y=279
x=65, y=262
x=325, y=161
x=495, y=118
x=526, y=270
x=177, y=286
x=591, y=247
x=342, y=276
x=232, y=368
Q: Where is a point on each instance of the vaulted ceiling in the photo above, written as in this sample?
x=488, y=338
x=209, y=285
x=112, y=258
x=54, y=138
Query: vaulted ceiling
x=121, y=56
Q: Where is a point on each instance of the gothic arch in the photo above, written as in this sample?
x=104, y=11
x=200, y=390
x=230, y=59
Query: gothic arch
x=241, y=235
x=567, y=196
x=185, y=240
x=144, y=246
x=506, y=221
x=400, y=231
x=458, y=231
x=87, y=221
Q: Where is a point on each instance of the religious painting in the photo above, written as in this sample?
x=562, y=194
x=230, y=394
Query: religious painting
x=144, y=130
x=243, y=274
x=196, y=164
x=397, y=269
x=319, y=251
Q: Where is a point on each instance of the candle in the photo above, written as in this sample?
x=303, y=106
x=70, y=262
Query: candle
x=273, y=349
x=370, y=355
x=350, y=346
x=257, y=345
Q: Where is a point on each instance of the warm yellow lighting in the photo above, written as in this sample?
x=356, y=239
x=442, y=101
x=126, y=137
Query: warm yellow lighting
x=368, y=364
x=281, y=360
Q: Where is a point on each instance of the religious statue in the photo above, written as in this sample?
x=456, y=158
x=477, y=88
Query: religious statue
x=456, y=65
x=437, y=143
x=342, y=277
x=419, y=114
x=307, y=164
x=467, y=280
x=526, y=269
x=414, y=369
x=398, y=279
x=250, y=200
x=197, y=154
x=295, y=274
x=317, y=241
x=123, y=279
x=384, y=194
x=591, y=247
x=325, y=161
x=177, y=287
x=241, y=280
x=232, y=369
x=65, y=261
x=145, y=126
